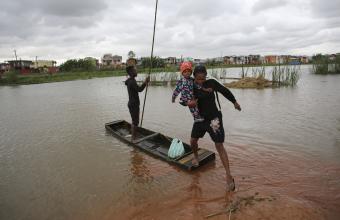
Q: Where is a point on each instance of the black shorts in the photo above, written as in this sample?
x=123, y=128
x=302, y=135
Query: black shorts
x=134, y=112
x=214, y=127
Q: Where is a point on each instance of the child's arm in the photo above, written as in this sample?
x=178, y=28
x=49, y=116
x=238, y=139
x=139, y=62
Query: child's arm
x=177, y=90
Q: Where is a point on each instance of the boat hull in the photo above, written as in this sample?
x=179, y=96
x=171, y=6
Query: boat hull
x=157, y=145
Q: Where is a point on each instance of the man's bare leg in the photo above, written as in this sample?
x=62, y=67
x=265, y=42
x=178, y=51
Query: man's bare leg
x=194, y=147
x=225, y=161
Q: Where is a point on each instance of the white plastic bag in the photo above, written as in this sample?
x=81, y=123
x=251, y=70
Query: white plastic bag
x=176, y=148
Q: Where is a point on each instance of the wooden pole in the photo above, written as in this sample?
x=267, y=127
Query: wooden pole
x=151, y=60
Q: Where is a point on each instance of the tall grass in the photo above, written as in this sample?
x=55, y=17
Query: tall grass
x=258, y=72
x=223, y=73
x=287, y=75
x=323, y=65
x=12, y=76
x=244, y=72
x=164, y=78
x=320, y=65
x=214, y=73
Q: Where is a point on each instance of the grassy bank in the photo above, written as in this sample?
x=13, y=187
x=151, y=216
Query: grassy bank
x=13, y=78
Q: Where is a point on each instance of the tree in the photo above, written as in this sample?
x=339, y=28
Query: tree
x=156, y=62
x=78, y=65
x=131, y=54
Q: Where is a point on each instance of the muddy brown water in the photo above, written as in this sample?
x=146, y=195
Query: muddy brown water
x=58, y=162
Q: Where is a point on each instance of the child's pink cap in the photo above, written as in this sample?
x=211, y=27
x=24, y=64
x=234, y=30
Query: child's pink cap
x=186, y=66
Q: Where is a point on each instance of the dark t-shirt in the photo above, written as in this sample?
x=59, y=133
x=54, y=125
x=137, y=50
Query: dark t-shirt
x=206, y=100
x=133, y=90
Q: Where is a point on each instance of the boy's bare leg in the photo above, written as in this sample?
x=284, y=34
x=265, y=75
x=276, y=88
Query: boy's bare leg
x=194, y=147
x=225, y=161
x=133, y=132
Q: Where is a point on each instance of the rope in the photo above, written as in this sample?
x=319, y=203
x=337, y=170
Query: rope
x=151, y=59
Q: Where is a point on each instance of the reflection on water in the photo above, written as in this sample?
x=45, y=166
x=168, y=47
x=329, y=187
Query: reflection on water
x=58, y=162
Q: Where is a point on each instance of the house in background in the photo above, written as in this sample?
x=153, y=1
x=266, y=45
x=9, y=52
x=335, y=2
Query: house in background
x=117, y=61
x=24, y=66
x=294, y=60
x=218, y=59
x=198, y=61
x=4, y=67
x=241, y=60
x=112, y=61
x=44, y=66
x=283, y=59
x=43, y=63
x=107, y=59
x=170, y=61
x=228, y=60
x=304, y=59
x=254, y=59
x=271, y=59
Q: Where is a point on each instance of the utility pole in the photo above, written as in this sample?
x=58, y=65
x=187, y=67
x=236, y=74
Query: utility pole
x=16, y=59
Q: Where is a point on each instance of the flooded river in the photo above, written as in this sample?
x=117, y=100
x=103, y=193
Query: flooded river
x=58, y=162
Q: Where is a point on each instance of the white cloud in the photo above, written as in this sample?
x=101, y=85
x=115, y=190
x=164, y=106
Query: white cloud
x=262, y=5
x=67, y=29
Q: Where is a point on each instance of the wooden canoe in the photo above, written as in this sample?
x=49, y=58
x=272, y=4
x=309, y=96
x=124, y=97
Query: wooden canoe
x=158, y=145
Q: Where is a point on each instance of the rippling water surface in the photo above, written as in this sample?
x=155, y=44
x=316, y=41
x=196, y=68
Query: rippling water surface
x=58, y=162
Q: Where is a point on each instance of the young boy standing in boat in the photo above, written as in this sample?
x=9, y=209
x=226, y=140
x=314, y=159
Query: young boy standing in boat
x=133, y=104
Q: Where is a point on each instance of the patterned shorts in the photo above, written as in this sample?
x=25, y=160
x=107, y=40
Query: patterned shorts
x=214, y=127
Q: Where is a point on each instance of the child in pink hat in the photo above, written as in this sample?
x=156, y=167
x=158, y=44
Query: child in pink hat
x=185, y=87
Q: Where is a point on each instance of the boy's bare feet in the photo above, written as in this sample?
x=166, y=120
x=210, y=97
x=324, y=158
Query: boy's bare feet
x=195, y=162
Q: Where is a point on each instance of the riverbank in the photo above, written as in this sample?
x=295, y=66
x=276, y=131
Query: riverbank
x=56, y=77
x=16, y=79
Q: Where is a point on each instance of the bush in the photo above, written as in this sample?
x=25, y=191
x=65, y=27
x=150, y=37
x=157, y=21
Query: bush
x=78, y=65
x=320, y=64
x=337, y=64
x=157, y=62
x=323, y=65
x=12, y=76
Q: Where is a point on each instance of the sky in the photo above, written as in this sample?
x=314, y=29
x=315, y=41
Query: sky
x=73, y=29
